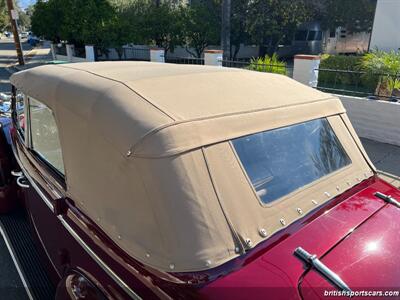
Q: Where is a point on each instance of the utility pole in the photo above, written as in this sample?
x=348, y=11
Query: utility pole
x=13, y=19
x=226, y=28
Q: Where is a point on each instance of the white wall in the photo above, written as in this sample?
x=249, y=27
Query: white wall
x=305, y=69
x=386, y=29
x=375, y=120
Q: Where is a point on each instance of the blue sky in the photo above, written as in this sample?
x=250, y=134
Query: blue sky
x=26, y=3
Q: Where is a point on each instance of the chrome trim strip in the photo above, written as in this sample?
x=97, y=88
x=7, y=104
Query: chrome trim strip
x=16, y=173
x=388, y=199
x=102, y=264
x=32, y=182
x=313, y=262
x=16, y=262
x=21, y=184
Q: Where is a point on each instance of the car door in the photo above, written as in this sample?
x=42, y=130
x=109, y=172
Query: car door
x=37, y=149
x=54, y=217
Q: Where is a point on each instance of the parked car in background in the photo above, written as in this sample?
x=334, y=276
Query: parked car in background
x=145, y=180
x=24, y=35
x=32, y=39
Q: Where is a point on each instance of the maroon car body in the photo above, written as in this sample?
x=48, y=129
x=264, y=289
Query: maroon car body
x=348, y=237
x=355, y=235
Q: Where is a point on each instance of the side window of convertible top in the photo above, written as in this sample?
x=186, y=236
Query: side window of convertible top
x=44, y=133
x=20, y=112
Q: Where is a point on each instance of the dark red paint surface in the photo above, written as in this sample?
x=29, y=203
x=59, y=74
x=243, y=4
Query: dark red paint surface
x=276, y=273
x=367, y=260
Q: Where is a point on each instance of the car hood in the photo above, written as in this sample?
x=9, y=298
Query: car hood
x=367, y=260
x=357, y=239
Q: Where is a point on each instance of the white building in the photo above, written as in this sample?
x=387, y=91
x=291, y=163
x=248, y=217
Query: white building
x=386, y=30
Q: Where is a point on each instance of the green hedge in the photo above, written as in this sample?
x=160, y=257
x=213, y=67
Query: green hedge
x=269, y=64
x=361, y=82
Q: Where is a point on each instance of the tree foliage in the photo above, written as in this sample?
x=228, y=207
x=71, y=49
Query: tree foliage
x=4, y=19
x=270, y=22
x=162, y=25
x=201, y=25
x=355, y=16
x=46, y=20
x=75, y=21
x=239, y=22
x=24, y=18
x=197, y=25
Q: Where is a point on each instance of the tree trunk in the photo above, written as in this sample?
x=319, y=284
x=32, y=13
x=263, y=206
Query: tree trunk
x=14, y=25
x=226, y=28
x=262, y=50
x=120, y=52
x=190, y=52
x=236, y=52
x=199, y=52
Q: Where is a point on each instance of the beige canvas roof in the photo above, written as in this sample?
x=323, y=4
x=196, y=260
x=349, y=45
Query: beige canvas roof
x=146, y=153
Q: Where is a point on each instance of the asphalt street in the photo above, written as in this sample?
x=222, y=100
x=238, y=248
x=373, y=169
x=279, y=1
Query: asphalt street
x=8, y=56
x=384, y=156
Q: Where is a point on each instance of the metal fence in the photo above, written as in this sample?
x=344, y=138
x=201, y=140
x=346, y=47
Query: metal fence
x=241, y=64
x=61, y=49
x=143, y=54
x=131, y=53
x=345, y=82
x=360, y=83
x=283, y=68
x=185, y=60
x=80, y=52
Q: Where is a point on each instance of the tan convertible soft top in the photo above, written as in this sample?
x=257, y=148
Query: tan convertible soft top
x=147, y=154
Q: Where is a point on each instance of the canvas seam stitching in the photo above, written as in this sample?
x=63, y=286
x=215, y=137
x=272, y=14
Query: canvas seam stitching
x=229, y=223
x=176, y=123
x=162, y=110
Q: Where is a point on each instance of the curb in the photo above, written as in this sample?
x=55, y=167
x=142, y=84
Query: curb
x=15, y=67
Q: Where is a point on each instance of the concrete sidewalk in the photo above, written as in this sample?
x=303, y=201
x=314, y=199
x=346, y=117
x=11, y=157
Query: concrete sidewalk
x=385, y=157
x=35, y=57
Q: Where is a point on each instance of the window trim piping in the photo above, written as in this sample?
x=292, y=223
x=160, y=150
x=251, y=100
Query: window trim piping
x=55, y=173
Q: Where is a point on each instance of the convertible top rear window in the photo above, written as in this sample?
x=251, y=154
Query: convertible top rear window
x=283, y=160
